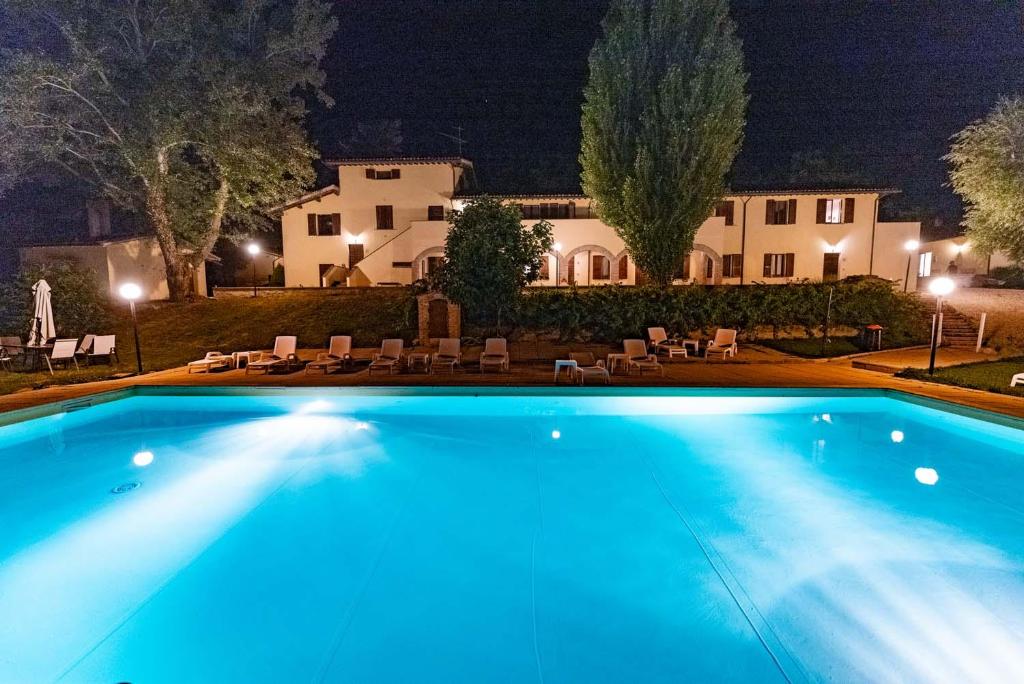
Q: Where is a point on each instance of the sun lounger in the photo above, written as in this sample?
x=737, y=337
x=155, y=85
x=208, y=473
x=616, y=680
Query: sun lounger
x=209, y=362
x=660, y=342
x=389, y=357
x=495, y=354
x=589, y=367
x=448, y=354
x=103, y=349
x=85, y=346
x=1017, y=379
x=338, y=355
x=724, y=343
x=283, y=356
x=63, y=353
x=637, y=357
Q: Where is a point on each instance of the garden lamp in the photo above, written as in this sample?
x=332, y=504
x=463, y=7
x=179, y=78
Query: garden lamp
x=253, y=249
x=911, y=247
x=940, y=287
x=131, y=292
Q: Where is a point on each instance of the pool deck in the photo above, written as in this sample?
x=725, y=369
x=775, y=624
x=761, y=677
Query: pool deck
x=755, y=367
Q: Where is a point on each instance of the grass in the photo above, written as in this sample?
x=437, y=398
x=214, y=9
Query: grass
x=993, y=376
x=810, y=347
x=174, y=334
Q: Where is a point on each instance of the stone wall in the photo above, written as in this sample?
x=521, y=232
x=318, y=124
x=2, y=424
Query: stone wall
x=1004, y=325
x=228, y=292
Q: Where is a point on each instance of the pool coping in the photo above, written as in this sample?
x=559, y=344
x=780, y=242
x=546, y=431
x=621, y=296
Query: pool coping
x=100, y=398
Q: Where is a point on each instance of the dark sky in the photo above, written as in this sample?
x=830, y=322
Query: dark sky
x=878, y=87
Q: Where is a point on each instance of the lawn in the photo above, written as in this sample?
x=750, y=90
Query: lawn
x=993, y=376
x=810, y=347
x=173, y=334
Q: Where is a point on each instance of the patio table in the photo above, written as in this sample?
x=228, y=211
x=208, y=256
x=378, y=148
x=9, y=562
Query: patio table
x=615, y=360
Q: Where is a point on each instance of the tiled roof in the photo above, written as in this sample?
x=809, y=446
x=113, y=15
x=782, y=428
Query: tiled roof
x=398, y=161
x=729, y=193
x=308, y=197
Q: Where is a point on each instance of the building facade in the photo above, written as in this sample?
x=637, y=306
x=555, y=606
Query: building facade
x=956, y=256
x=384, y=224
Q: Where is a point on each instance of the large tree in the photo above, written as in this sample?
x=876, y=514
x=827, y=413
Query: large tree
x=189, y=112
x=662, y=122
x=489, y=258
x=987, y=171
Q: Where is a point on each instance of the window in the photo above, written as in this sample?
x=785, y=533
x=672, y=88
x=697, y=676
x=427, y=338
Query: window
x=732, y=266
x=830, y=269
x=552, y=210
x=682, y=271
x=601, y=267
x=709, y=268
x=435, y=212
x=433, y=263
x=779, y=265
x=385, y=217
x=390, y=174
x=323, y=224
x=545, y=268
x=624, y=267
x=724, y=209
x=780, y=212
x=836, y=210
x=924, y=265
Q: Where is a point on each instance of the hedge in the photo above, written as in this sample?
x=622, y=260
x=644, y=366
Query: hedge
x=611, y=313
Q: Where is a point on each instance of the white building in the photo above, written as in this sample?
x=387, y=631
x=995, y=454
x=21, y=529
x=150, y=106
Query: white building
x=955, y=256
x=385, y=220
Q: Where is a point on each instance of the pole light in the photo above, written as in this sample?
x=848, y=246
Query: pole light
x=131, y=292
x=253, y=249
x=558, y=262
x=911, y=247
x=940, y=287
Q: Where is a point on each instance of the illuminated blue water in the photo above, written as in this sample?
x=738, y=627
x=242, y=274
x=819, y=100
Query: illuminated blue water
x=371, y=537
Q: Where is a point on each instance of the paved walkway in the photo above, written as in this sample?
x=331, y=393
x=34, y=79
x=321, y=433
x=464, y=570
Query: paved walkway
x=898, y=359
x=755, y=371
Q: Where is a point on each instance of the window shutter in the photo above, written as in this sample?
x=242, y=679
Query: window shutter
x=791, y=215
x=595, y=265
x=571, y=268
x=822, y=206
x=335, y=224
x=396, y=173
x=767, y=265
x=370, y=174
x=730, y=215
x=769, y=213
x=790, y=262
x=848, y=210
x=311, y=223
x=624, y=268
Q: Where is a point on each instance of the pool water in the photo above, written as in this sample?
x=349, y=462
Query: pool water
x=377, y=536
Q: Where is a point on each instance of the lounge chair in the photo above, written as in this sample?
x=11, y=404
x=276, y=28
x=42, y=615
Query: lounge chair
x=495, y=354
x=638, y=357
x=1017, y=379
x=103, y=349
x=5, y=360
x=661, y=342
x=338, y=355
x=63, y=353
x=13, y=346
x=85, y=346
x=724, y=343
x=589, y=367
x=212, y=360
x=283, y=356
x=389, y=357
x=448, y=354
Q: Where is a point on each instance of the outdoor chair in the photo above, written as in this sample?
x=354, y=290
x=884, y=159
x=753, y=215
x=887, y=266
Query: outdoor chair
x=448, y=354
x=389, y=357
x=637, y=357
x=13, y=346
x=5, y=360
x=661, y=342
x=63, y=353
x=103, y=349
x=589, y=367
x=1017, y=379
x=283, y=356
x=84, y=346
x=212, y=360
x=338, y=355
x=495, y=354
x=724, y=344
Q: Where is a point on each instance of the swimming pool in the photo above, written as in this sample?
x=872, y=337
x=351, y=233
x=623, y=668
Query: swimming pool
x=442, y=536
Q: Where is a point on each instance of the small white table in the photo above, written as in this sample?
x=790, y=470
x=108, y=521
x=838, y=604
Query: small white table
x=614, y=360
x=569, y=366
x=695, y=344
x=237, y=358
x=418, y=359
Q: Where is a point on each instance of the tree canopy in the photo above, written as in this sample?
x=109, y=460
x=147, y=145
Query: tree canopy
x=489, y=258
x=662, y=122
x=987, y=171
x=189, y=112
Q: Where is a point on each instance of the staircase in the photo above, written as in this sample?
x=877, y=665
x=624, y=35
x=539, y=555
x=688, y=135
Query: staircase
x=958, y=330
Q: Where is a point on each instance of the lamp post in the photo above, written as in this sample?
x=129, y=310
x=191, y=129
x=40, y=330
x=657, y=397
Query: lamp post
x=131, y=292
x=253, y=249
x=940, y=287
x=558, y=262
x=911, y=247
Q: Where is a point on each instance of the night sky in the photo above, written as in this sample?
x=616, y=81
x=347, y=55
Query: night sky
x=877, y=87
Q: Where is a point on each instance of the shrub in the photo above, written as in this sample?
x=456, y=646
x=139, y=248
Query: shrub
x=80, y=306
x=1012, y=276
x=611, y=313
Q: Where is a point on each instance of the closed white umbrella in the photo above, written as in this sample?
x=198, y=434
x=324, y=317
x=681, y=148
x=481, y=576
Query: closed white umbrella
x=42, y=320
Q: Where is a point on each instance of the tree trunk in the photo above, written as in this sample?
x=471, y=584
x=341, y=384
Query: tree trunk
x=179, y=275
